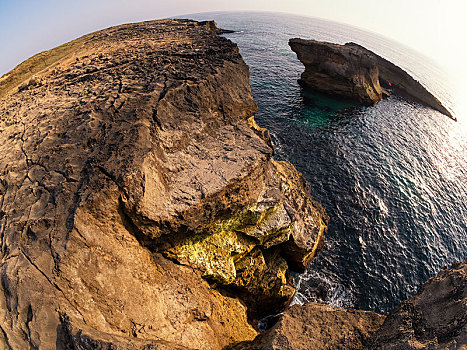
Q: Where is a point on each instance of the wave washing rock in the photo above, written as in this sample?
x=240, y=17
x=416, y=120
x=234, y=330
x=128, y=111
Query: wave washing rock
x=140, y=206
x=435, y=318
x=355, y=72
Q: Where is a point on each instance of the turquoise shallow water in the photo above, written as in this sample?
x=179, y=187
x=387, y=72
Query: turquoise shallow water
x=393, y=178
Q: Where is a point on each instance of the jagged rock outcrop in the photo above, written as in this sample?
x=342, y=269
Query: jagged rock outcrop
x=318, y=327
x=140, y=206
x=355, y=72
x=435, y=318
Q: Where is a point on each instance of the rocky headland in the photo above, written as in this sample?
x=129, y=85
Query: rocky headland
x=355, y=72
x=140, y=206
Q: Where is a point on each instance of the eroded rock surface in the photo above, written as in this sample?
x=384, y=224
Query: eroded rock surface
x=355, y=72
x=435, y=318
x=139, y=203
x=318, y=327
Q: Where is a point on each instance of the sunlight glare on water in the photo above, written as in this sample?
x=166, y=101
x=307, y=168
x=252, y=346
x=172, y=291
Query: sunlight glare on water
x=393, y=177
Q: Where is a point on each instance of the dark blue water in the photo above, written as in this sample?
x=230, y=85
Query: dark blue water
x=393, y=178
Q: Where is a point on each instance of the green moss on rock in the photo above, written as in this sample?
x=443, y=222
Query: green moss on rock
x=213, y=254
x=249, y=251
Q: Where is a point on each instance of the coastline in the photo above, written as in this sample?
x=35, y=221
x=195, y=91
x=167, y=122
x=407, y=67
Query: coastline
x=118, y=208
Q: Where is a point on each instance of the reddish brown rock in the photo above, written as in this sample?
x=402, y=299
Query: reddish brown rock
x=318, y=327
x=435, y=318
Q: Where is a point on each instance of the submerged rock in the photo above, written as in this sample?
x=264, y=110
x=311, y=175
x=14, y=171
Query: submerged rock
x=140, y=206
x=355, y=72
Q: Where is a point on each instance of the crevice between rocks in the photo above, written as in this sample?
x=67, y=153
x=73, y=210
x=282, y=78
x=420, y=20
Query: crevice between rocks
x=5, y=338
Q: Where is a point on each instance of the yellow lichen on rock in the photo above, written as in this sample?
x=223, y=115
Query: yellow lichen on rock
x=212, y=254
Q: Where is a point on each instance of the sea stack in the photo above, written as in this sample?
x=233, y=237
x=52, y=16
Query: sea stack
x=354, y=72
x=140, y=206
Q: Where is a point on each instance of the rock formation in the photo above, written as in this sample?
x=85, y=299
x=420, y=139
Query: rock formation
x=435, y=318
x=355, y=72
x=319, y=327
x=140, y=206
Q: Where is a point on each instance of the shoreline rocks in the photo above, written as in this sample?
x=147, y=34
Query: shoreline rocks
x=434, y=318
x=354, y=72
x=317, y=326
x=140, y=206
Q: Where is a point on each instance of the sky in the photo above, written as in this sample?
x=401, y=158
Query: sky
x=435, y=28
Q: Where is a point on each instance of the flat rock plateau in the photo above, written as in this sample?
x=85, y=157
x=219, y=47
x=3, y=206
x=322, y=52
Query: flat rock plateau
x=141, y=208
x=140, y=205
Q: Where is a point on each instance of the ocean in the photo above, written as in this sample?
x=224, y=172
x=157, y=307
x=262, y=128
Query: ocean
x=392, y=177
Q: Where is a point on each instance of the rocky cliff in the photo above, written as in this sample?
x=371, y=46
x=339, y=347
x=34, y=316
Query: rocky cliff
x=355, y=72
x=140, y=206
x=435, y=318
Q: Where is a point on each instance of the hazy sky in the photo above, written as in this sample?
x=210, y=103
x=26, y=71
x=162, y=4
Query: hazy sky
x=434, y=27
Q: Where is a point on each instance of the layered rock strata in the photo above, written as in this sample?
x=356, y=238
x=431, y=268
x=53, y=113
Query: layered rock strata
x=355, y=72
x=140, y=206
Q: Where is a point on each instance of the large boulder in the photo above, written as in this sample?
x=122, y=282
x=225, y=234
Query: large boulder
x=338, y=70
x=319, y=327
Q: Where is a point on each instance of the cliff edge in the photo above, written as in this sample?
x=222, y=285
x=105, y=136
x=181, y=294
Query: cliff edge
x=355, y=72
x=435, y=318
x=140, y=206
